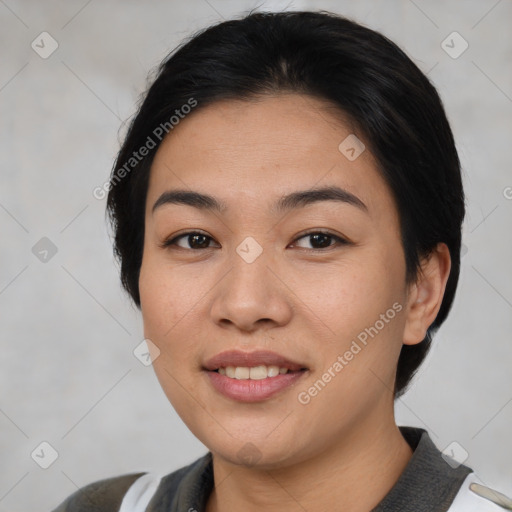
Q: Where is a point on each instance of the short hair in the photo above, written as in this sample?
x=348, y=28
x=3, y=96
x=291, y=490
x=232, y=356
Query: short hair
x=371, y=81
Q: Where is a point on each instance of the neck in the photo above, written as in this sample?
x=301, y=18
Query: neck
x=354, y=475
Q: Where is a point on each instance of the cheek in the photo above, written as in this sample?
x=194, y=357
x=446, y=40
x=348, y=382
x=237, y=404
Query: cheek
x=156, y=306
x=164, y=312
x=172, y=313
x=360, y=304
x=167, y=296
x=352, y=295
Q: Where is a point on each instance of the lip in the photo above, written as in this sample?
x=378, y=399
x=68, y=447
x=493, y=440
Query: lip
x=252, y=390
x=256, y=358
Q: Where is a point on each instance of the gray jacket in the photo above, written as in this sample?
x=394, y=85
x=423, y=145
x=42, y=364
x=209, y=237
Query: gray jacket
x=430, y=483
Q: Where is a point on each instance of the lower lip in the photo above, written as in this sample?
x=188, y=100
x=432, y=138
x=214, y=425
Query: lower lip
x=252, y=390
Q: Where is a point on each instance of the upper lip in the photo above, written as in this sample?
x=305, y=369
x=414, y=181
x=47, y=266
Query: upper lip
x=250, y=359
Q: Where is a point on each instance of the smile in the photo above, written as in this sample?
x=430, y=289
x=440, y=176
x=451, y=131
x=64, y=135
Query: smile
x=252, y=376
x=254, y=373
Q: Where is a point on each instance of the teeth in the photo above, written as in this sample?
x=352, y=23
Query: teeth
x=242, y=372
x=253, y=373
x=258, y=373
x=272, y=371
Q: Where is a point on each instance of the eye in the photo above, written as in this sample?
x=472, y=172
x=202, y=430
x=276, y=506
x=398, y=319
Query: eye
x=193, y=240
x=321, y=240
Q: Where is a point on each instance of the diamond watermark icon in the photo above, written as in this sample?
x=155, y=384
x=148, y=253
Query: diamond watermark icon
x=249, y=454
x=44, y=455
x=455, y=454
x=44, y=250
x=351, y=147
x=454, y=45
x=44, y=45
x=249, y=249
x=146, y=352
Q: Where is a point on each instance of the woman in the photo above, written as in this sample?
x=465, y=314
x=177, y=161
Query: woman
x=287, y=209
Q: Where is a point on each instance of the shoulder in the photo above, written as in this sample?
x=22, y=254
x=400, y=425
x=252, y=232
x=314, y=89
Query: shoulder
x=474, y=496
x=101, y=496
x=435, y=481
x=133, y=492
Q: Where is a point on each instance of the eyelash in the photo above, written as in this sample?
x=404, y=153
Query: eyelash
x=339, y=240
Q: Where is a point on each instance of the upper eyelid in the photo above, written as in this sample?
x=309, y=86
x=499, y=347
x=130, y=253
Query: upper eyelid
x=320, y=231
x=172, y=240
x=341, y=239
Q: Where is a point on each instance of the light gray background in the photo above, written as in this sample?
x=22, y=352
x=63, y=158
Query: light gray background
x=68, y=375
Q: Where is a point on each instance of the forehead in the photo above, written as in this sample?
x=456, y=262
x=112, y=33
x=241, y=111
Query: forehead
x=258, y=150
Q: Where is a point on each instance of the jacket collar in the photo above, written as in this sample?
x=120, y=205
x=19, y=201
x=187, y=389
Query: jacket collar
x=428, y=483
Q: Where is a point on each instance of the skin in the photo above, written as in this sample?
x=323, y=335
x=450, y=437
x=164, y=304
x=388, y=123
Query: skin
x=343, y=449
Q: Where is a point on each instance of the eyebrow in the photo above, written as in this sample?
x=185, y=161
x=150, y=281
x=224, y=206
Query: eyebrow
x=288, y=202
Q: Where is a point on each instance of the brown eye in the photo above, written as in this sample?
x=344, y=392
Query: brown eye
x=321, y=240
x=192, y=240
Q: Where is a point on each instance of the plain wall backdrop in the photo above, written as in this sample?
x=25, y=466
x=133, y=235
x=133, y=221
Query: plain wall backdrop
x=68, y=375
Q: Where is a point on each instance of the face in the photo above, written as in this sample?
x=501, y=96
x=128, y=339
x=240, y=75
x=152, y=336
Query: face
x=285, y=277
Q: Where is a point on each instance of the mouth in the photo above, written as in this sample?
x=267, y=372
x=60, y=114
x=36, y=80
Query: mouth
x=252, y=376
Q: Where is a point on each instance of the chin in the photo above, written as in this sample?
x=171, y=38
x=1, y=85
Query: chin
x=255, y=456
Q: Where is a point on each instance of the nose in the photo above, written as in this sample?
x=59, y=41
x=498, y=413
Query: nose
x=251, y=296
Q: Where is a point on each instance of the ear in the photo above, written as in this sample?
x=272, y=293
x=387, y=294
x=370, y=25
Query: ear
x=425, y=295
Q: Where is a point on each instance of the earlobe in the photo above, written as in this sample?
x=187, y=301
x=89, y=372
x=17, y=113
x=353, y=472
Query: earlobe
x=426, y=294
